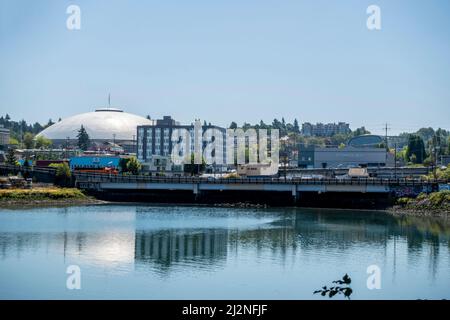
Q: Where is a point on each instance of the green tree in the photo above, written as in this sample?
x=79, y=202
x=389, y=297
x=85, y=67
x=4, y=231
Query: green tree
x=296, y=126
x=233, y=125
x=11, y=157
x=28, y=140
x=123, y=164
x=13, y=141
x=133, y=165
x=262, y=125
x=425, y=133
x=62, y=173
x=416, y=147
x=360, y=132
x=43, y=143
x=448, y=148
x=83, y=139
x=339, y=139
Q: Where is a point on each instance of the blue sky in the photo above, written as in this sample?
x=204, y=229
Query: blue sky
x=230, y=60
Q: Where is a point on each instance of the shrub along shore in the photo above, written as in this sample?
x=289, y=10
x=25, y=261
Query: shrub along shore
x=433, y=204
x=44, y=196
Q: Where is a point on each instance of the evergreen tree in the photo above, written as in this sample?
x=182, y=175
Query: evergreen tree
x=448, y=149
x=123, y=164
x=262, y=125
x=11, y=157
x=233, y=125
x=83, y=139
x=416, y=148
x=296, y=126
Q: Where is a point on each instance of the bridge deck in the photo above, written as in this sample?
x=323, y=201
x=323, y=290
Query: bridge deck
x=196, y=184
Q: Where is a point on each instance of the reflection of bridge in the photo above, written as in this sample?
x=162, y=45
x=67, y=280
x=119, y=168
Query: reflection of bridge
x=175, y=245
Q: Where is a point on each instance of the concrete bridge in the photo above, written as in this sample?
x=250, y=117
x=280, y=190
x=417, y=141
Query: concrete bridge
x=294, y=188
x=280, y=191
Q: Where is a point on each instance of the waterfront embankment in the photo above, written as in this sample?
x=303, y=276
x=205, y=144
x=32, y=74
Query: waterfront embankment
x=52, y=196
x=433, y=204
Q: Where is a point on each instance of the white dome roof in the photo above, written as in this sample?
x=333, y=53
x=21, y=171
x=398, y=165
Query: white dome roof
x=100, y=125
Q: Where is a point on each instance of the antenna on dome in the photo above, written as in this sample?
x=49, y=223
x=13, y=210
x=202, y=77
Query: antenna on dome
x=109, y=100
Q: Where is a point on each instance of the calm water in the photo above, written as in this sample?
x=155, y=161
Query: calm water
x=151, y=252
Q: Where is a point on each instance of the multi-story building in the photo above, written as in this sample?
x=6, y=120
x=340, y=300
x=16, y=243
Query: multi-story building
x=325, y=130
x=156, y=140
x=4, y=137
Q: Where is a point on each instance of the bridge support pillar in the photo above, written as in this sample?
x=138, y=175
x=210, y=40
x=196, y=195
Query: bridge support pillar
x=295, y=193
x=196, y=191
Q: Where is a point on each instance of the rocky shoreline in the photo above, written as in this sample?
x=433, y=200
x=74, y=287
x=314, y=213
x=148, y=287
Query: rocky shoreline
x=418, y=212
x=436, y=204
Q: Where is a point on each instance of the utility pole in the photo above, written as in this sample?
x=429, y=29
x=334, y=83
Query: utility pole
x=386, y=128
x=386, y=141
x=395, y=160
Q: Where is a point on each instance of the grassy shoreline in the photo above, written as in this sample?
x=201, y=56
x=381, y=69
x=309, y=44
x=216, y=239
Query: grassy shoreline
x=44, y=196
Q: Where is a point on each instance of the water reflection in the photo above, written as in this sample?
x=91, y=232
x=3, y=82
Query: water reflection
x=129, y=235
x=106, y=249
x=195, y=247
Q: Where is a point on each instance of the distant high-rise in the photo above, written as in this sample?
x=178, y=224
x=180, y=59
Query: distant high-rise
x=325, y=130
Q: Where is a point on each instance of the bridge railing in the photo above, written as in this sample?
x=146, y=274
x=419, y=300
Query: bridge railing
x=124, y=178
x=119, y=178
x=12, y=168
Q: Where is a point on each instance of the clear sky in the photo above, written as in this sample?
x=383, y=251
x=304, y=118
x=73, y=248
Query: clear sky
x=242, y=60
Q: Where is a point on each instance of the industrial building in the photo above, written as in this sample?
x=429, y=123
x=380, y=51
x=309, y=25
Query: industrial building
x=347, y=157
